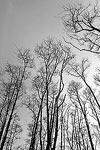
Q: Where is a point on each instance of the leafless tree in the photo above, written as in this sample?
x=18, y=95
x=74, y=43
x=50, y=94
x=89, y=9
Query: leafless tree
x=74, y=94
x=83, y=22
x=85, y=102
x=82, y=25
x=48, y=94
x=11, y=90
x=13, y=133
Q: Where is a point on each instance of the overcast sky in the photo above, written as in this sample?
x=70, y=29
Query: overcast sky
x=26, y=22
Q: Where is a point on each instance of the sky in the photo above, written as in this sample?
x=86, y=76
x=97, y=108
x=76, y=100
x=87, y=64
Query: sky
x=23, y=23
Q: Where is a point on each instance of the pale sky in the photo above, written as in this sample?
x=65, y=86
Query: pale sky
x=25, y=22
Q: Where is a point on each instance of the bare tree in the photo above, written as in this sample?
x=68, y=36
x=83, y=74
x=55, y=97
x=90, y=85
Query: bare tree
x=85, y=102
x=12, y=90
x=47, y=95
x=83, y=23
x=13, y=134
x=74, y=94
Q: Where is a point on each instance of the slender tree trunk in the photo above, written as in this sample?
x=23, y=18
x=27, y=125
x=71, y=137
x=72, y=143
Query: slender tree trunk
x=8, y=125
x=56, y=131
x=87, y=124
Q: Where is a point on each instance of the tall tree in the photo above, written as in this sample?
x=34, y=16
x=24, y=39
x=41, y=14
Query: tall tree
x=12, y=90
x=83, y=26
x=48, y=94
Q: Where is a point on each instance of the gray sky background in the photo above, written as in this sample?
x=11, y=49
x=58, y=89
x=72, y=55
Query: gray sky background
x=26, y=22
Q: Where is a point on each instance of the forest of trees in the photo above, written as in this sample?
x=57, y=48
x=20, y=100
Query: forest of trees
x=65, y=113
